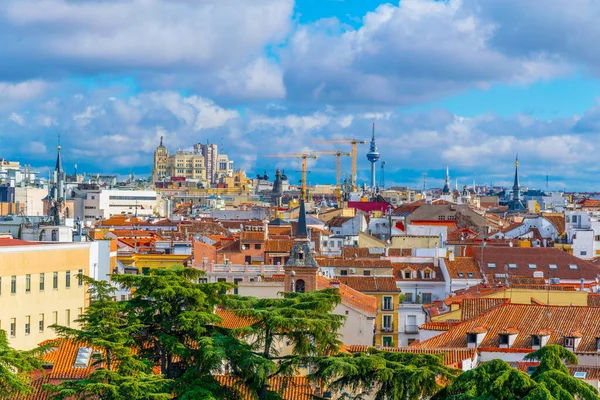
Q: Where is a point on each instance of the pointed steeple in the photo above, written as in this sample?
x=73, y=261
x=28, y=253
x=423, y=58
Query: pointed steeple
x=446, y=188
x=301, y=231
x=516, y=183
x=58, y=167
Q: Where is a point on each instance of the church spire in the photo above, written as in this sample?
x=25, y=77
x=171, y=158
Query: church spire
x=301, y=231
x=446, y=188
x=516, y=183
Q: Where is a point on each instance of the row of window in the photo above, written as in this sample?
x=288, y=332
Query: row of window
x=42, y=281
x=533, y=266
x=14, y=331
x=424, y=298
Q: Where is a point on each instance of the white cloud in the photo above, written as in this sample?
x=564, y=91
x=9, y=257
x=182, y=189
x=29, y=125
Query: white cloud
x=17, y=119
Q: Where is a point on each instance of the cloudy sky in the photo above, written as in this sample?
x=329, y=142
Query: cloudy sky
x=468, y=84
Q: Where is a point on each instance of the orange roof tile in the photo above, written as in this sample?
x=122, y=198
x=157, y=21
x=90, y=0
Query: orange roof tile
x=368, y=284
x=295, y=388
x=231, y=321
x=350, y=297
x=467, y=266
x=529, y=319
x=279, y=245
x=353, y=262
x=252, y=236
x=365, y=252
x=472, y=308
x=439, y=325
x=398, y=270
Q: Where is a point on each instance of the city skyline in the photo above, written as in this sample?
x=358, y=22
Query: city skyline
x=446, y=82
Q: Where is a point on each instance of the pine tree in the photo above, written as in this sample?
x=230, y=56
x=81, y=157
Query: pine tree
x=303, y=321
x=384, y=375
x=121, y=375
x=16, y=368
x=179, y=331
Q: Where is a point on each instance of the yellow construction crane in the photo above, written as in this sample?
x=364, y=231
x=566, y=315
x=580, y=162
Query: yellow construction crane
x=353, y=142
x=338, y=170
x=304, y=157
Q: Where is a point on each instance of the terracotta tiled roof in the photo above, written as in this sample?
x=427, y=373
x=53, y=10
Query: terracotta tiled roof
x=353, y=262
x=252, y=236
x=61, y=356
x=338, y=221
x=231, y=321
x=558, y=220
x=351, y=297
x=465, y=266
x=400, y=268
x=528, y=319
x=439, y=325
x=296, y=388
x=280, y=230
x=274, y=278
x=472, y=308
x=119, y=220
x=589, y=203
x=541, y=257
x=203, y=228
x=17, y=242
x=369, y=284
x=450, y=356
x=593, y=299
x=279, y=245
x=39, y=393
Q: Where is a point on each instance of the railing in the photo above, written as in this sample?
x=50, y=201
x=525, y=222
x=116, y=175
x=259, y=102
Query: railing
x=259, y=269
x=387, y=307
x=387, y=328
x=411, y=329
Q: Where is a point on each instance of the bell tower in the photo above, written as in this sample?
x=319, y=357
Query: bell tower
x=301, y=269
x=161, y=155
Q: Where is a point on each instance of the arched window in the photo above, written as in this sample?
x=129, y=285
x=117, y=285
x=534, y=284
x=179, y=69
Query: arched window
x=300, y=286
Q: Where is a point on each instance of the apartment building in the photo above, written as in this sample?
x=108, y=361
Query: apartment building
x=39, y=286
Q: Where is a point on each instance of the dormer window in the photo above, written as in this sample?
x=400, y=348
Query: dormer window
x=569, y=342
x=598, y=344
x=532, y=266
x=471, y=339
x=407, y=274
x=536, y=340
x=491, y=265
x=470, y=274
x=573, y=266
x=512, y=266
x=427, y=274
x=503, y=340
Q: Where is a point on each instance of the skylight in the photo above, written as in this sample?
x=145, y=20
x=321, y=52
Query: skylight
x=83, y=357
x=580, y=374
x=461, y=275
x=532, y=266
x=553, y=266
x=513, y=266
x=470, y=274
x=572, y=266
x=491, y=265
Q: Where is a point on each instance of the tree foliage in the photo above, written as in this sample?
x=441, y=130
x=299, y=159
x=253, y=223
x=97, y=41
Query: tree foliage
x=121, y=375
x=16, y=367
x=303, y=322
x=498, y=380
x=385, y=375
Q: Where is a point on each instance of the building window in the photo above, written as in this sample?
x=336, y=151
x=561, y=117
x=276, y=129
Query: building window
x=532, y=266
x=569, y=342
x=13, y=284
x=387, y=323
x=300, y=286
x=55, y=317
x=339, y=244
x=513, y=266
x=471, y=338
x=408, y=297
x=426, y=298
x=79, y=312
x=470, y=274
x=503, y=340
x=367, y=272
x=343, y=272
x=387, y=303
x=41, y=323
x=236, y=281
x=80, y=278
x=407, y=274
x=68, y=317
x=552, y=266
x=572, y=266
x=427, y=274
x=535, y=340
x=55, y=235
x=583, y=253
x=13, y=327
x=257, y=246
x=28, y=283
x=491, y=265
x=42, y=282
x=68, y=279
x=55, y=280
x=248, y=259
x=442, y=218
x=27, y=324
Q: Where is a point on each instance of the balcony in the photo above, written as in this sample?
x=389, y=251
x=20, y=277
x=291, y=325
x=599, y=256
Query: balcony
x=387, y=307
x=411, y=329
x=389, y=328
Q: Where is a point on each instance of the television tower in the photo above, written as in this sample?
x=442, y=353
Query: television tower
x=373, y=156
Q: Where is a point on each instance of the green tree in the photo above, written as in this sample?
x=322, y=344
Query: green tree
x=498, y=380
x=553, y=374
x=385, y=375
x=303, y=321
x=121, y=375
x=16, y=368
x=178, y=329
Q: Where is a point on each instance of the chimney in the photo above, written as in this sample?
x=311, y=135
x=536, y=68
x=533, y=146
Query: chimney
x=451, y=256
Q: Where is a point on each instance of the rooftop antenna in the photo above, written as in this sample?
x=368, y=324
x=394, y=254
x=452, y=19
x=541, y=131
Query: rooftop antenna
x=382, y=179
x=424, y=181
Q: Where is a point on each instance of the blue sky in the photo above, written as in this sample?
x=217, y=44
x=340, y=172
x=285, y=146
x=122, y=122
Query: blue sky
x=466, y=84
